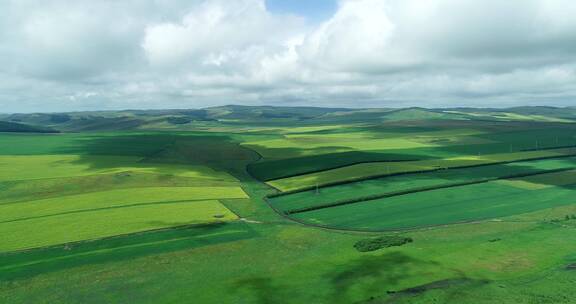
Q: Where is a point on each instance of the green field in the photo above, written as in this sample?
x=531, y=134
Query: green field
x=470, y=203
x=265, y=205
x=74, y=226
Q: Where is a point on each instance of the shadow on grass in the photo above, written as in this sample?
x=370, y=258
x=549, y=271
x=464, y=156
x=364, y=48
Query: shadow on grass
x=21, y=265
x=262, y=289
x=220, y=152
x=374, y=273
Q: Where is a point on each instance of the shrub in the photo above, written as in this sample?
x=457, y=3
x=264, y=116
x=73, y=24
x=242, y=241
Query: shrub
x=373, y=244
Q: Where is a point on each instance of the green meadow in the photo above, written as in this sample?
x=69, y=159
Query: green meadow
x=266, y=205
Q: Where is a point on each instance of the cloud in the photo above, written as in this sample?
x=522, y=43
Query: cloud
x=218, y=33
x=61, y=55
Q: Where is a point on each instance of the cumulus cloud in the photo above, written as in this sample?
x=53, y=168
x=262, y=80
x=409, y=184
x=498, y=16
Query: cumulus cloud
x=61, y=55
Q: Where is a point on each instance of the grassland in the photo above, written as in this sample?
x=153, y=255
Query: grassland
x=138, y=216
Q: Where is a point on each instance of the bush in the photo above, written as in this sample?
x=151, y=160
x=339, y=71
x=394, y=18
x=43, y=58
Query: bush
x=373, y=244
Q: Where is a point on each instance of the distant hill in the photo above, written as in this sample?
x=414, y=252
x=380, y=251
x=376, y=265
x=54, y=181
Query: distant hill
x=269, y=112
x=6, y=126
x=420, y=114
x=186, y=119
x=533, y=113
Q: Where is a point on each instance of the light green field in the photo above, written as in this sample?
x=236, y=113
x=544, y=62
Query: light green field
x=104, y=185
x=291, y=145
x=19, y=211
x=36, y=189
x=305, y=145
x=106, y=213
x=95, y=224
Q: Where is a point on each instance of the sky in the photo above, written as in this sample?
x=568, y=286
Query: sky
x=61, y=55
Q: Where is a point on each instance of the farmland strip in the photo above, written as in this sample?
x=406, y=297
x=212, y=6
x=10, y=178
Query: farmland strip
x=369, y=177
x=251, y=169
x=102, y=209
x=421, y=189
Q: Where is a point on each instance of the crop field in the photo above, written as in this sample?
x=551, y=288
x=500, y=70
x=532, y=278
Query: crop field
x=57, y=229
x=270, y=205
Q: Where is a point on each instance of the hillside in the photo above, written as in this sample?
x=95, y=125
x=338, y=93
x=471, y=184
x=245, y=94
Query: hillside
x=6, y=126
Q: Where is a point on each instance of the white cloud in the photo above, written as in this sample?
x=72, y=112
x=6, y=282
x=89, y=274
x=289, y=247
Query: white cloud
x=182, y=53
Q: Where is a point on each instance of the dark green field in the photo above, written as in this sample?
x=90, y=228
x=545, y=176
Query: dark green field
x=268, y=205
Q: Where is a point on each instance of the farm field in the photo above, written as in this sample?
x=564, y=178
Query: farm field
x=392, y=184
x=45, y=196
x=268, y=205
x=469, y=203
x=371, y=170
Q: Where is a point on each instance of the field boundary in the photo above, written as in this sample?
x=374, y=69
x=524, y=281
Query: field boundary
x=110, y=208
